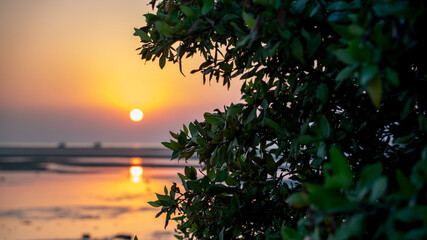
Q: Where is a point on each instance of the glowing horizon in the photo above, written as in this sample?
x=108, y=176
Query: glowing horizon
x=75, y=79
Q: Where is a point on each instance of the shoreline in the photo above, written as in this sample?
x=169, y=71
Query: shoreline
x=84, y=152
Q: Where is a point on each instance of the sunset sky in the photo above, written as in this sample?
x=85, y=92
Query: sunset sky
x=69, y=72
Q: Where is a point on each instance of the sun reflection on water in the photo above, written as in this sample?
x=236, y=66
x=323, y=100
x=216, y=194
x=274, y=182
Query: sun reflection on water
x=101, y=204
x=136, y=161
x=136, y=170
x=136, y=179
x=136, y=173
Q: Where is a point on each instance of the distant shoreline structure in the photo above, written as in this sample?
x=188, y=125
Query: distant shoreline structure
x=81, y=144
x=95, y=151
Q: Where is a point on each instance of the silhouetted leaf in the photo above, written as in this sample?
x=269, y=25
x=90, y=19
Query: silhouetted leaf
x=187, y=10
x=249, y=20
x=297, y=50
x=374, y=89
x=164, y=28
x=342, y=176
x=323, y=92
x=207, y=6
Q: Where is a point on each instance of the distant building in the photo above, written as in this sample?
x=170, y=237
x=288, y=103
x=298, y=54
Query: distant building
x=61, y=145
x=97, y=145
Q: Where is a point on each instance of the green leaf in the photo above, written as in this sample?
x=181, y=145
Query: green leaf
x=180, y=218
x=313, y=44
x=351, y=228
x=162, y=61
x=212, y=118
x=230, y=181
x=369, y=174
x=374, y=89
x=405, y=186
x=175, y=154
x=321, y=151
x=164, y=199
x=323, y=92
x=325, y=129
x=207, y=6
x=251, y=116
x=345, y=56
x=378, y=189
x=187, y=11
x=193, y=227
x=185, y=130
x=184, y=183
x=221, y=234
x=155, y=203
x=190, y=172
x=249, y=20
x=348, y=32
x=172, y=145
x=339, y=6
x=368, y=74
x=345, y=74
x=306, y=139
x=226, y=67
x=221, y=176
x=206, y=182
x=164, y=28
x=288, y=233
x=272, y=124
x=299, y=5
x=337, y=16
x=195, y=186
x=201, y=141
x=407, y=108
x=174, y=135
x=392, y=77
x=328, y=199
x=297, y=50
x=392, y=8
x=271, y=165
x=193, y=130
x=298, y=199
x=211, y=174
x=216, y=189
x=135, y=238
x=342, y=176
x=411, y=214
x=235, y=203
x=285, y=33
x=143, y=35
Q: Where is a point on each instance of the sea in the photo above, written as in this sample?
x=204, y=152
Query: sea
x=74, y=197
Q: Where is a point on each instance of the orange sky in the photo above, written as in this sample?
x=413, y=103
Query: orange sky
x=69, y=72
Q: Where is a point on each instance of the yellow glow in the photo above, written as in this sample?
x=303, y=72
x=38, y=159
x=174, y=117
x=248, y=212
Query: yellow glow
x=84, y=190
x=136, y=115
x=136, y=179
x=136, y=171
x=136, y=161
x=108, y=83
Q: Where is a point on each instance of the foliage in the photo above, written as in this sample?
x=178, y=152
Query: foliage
x=329, y=140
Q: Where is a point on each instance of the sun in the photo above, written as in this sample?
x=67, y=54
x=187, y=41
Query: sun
x=136, y=115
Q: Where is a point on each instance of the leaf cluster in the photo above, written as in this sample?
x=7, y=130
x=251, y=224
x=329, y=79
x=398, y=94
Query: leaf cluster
x=329, y=140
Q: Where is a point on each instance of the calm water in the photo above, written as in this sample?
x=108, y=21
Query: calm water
x=66, y=198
